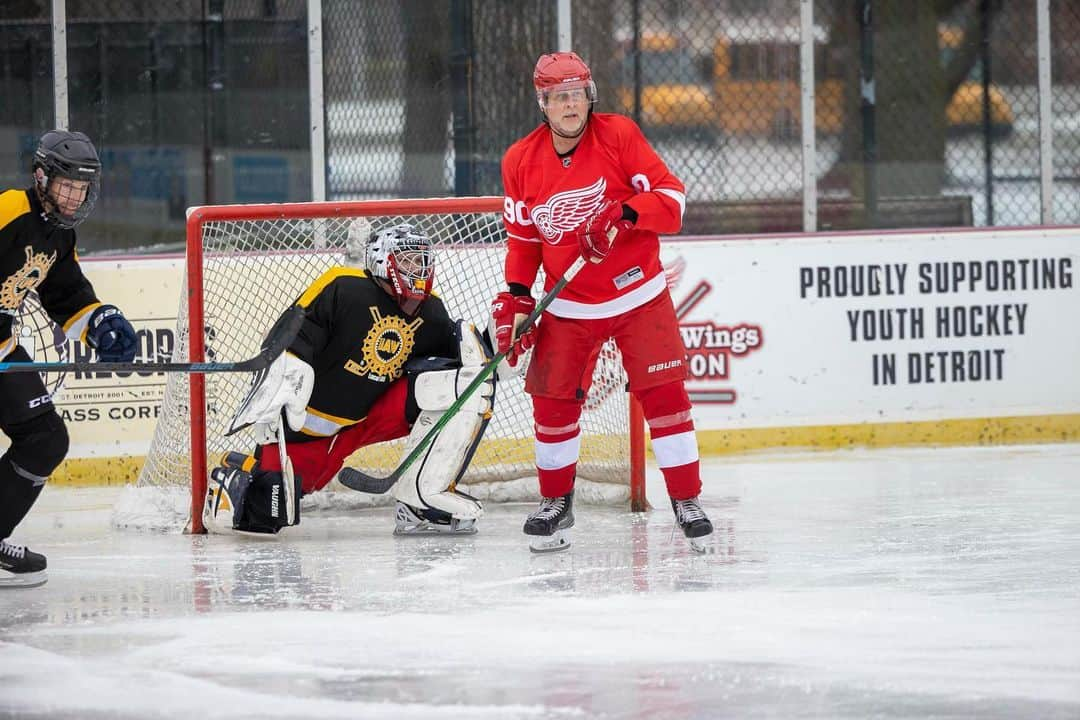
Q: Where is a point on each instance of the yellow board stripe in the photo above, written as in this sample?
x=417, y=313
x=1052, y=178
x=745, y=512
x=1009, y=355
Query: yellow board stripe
x=85, y=472
x=325, y=279
x=972, y=431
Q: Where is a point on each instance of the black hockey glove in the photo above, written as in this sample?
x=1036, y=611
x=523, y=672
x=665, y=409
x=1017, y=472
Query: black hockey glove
x=109, y=332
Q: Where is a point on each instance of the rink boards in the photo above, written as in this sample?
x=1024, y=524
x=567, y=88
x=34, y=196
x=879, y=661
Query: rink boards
x=826, y=340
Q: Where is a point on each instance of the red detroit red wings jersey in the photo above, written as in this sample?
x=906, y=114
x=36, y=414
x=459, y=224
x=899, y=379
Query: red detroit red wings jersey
x=548, y=200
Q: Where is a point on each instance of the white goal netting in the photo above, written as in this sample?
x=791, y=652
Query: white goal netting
x=253, y=269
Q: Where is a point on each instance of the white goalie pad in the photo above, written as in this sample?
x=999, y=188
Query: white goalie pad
x=428, y=481
x=287, y=384
x=439, y=389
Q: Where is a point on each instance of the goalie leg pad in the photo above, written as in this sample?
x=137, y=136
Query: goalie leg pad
x=248, y=502
x=429, y=482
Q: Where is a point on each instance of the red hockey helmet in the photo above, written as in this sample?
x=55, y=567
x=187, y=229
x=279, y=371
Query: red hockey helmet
x=559, y=71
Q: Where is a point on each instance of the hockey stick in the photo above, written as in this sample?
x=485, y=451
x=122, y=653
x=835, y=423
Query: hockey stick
x=362, y=482
x=276, y=343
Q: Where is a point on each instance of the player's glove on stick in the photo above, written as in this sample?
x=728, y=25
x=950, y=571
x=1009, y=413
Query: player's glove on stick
x=508, y=311
x=603, y=230
x=109, y=332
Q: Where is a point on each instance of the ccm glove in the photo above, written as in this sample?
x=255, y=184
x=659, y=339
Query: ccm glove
x=109, y=332
x=604, y=229
x=508, y=312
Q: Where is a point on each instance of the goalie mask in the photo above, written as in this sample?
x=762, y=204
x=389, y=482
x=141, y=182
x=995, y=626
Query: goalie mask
x=67, y=175
x=402, y=260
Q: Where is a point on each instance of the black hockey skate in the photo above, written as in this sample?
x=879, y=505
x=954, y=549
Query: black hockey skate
x=549, y=526
x=693, y=521
x=20, y=566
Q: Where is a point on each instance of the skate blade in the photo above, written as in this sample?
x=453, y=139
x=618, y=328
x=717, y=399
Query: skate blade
x=429, y=530
x=257, y=536
x=702, y=545
x=549, y=543
x=23, y=580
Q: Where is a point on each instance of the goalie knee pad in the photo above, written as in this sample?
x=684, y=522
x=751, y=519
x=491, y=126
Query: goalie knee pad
x=248, y=502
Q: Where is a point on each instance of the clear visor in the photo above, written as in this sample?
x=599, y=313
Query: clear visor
x=567, y=92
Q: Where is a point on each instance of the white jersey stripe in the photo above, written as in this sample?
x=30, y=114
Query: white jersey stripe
x=677, y=197
x=617, y=306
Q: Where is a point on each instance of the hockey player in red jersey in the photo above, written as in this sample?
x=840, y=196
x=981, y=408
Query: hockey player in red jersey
x=589, y=184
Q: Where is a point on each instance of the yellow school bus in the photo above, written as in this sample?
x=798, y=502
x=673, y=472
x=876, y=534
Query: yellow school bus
x=676, y=93
x=756, y=83
x=756, y=86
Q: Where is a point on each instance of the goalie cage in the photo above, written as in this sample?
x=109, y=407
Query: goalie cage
x=247, y=263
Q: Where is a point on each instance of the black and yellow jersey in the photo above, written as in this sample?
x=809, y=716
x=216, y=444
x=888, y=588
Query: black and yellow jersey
x=35, y=255
x=358, y=341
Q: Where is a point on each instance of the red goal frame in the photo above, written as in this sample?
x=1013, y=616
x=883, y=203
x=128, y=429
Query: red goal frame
x=197, y=216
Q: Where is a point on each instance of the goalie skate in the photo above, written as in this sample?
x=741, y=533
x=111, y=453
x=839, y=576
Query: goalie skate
x=415, y=521
x=694, y=522
x=549, y=526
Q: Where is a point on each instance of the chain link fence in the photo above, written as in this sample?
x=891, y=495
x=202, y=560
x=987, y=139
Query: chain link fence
x=197, y=101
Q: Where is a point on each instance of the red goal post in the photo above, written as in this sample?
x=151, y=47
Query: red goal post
x=246, y=263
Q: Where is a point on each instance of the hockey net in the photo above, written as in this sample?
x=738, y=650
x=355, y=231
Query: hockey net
x=247, y=263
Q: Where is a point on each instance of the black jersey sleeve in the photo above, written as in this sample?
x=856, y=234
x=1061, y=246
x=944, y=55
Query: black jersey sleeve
x=66, y=292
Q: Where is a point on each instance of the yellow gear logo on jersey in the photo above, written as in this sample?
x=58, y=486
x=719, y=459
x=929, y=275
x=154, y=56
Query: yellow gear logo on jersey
x=386, y=347
x=25, y=279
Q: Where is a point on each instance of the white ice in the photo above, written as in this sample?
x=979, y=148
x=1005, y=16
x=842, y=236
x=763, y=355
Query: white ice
x=860, y=584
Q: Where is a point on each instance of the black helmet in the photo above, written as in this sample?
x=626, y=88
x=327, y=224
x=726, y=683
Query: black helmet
x=71, y=155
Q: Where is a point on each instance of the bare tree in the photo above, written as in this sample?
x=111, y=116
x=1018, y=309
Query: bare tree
x=913, y=88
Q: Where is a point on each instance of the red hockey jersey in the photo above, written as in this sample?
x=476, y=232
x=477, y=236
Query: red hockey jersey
x=548, y=199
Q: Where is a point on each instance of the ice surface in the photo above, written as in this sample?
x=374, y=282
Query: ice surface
x=889, y=584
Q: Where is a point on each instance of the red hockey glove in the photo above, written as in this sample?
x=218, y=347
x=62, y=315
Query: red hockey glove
x=602, y=230
x=508, y=311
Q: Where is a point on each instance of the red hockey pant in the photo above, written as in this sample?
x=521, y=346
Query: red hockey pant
x=318, y=460
x=654, y=357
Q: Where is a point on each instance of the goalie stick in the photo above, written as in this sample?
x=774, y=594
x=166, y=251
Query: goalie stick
x=276, y=343
x=362, y=482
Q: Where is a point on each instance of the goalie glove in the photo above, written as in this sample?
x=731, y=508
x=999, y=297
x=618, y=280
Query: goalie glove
x=287, y=386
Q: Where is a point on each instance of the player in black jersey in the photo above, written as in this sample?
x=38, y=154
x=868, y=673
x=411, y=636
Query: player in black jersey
x=377, y=358
x=37, y=253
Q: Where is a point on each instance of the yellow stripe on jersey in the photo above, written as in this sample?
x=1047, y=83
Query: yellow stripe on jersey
x=13, y=204
x=327, y=277
x=332, y=418
x=73, y=323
